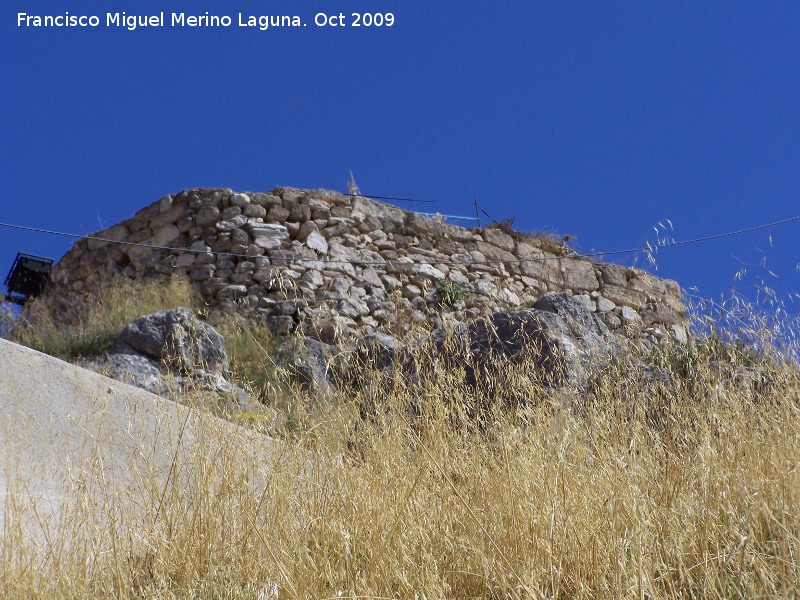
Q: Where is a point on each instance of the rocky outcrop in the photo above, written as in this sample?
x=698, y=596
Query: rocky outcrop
x=337, y=267
x=310, y=363
x=178, y=339
x=168, y=352
x=559, y=337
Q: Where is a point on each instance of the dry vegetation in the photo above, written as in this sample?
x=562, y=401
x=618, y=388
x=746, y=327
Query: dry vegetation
x=633, y=488
x=87, y=326
x=547, y=241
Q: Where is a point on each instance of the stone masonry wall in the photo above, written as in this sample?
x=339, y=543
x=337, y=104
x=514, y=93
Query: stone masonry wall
x=333, y=265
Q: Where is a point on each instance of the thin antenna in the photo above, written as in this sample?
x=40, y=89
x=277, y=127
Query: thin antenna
x=477, y=213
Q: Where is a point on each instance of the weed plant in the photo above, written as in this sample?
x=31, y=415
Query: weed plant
x=450, y=292
x=250, y=346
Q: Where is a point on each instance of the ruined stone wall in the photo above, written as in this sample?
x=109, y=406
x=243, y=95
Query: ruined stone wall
x=335, y=265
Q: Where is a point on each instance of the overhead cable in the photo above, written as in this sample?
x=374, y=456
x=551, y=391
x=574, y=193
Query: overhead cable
x=648, y=248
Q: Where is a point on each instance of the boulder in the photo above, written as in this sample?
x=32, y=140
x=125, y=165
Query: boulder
x=123, y=364
x=168, y=353
x=308, y=362
x=178, y=339
x=268, y=235
x=380, y=350
x=594, y=342
x=558, y=336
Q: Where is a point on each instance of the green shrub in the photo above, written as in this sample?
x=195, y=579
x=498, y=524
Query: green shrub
x=450, y=292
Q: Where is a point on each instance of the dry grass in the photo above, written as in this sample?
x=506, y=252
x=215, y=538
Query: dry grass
x=250, y=346
x=549, y=242
x=90, y=326
x=628, y=490
x=69, y=328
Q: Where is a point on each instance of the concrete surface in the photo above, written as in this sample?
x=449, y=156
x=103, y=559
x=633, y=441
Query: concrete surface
x=69, y=436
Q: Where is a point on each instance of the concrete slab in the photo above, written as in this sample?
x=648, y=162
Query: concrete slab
x=69, y=436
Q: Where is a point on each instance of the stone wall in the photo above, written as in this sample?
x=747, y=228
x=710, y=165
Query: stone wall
x=335, y=265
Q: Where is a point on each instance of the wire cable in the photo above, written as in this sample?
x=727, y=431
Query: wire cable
x=649, y=248
x=360, y=195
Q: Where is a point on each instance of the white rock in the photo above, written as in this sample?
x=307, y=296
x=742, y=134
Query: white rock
x=604, y=304
x=200, y=246
x=457, y=276
x=305, y=230
x=429, y=271
x=391, y=282
x=353, y=308
x=232, y=291
x=313, y=278
x=235, y=222
x=484, y=287
x=679, y=333
x=628, y=314
x=269, y=236
x=118, y=233
x=586, y=300
x=340, y=284
x=164, y=236
x=240, y=200
x=509, y=297
x=185, y=260
x=411, y=291
x=315, y=241
x=370, y=277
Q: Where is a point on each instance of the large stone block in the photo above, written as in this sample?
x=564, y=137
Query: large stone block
x=178, y=338
x=265, y=200
x=493, y=253
x=662, y=315
x=268, y=235
x=616, y=275
x=164, y=236
x=207, y=216
x=363, y=208
x=254, y=211
x=299, y=213
x=278, y=213
x=424, y=225
x=646, y=284
x=458, y=234
x=579, y=275
x=315, y=241
x=539, y=265
x=169, y=216
x=502, y=240
x=624, y=297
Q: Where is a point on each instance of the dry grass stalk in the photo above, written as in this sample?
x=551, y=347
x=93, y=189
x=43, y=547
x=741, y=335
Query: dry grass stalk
x=628, y=489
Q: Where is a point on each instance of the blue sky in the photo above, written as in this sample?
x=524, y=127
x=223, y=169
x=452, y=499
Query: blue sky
x=594, y=119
